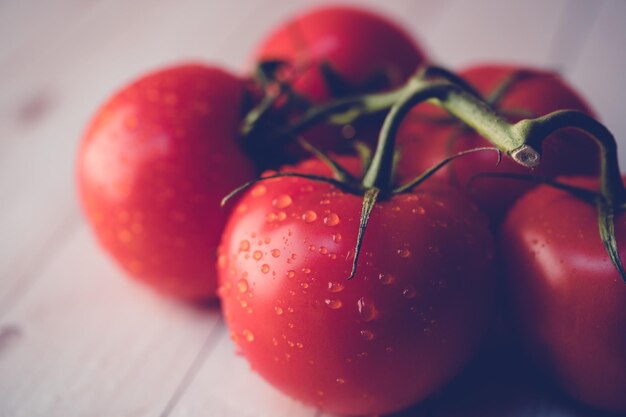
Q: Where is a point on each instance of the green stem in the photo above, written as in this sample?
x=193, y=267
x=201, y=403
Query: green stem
x=536, y=130
x=466, y=107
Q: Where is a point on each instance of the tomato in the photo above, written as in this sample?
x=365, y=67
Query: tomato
x=569, y=299
x=401, y=328
x=364, y=51
x=152, y=167
x=357, y=45
x=422, y=143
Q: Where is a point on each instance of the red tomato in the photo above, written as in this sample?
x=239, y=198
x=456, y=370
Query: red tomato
x=400, y=329
x=569, y=298
x=364, y=50
x=357, y=44
x=538, y=92
x=152, y=167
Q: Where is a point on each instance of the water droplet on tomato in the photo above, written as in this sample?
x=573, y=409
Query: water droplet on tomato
x=335, y=287
x=291, y=274
x=323, y=250
x=367, y=335
x=258, y=190
x=257, y=255
x=282, y=201
x=248, y=335
x=337, y=237
x=304, y=285
x=331, y=220
x=309, y=216
x=281, y=215
x=340, y=381
x=367, y=309
x=265, y=268
x=242, y=285
x=275, y=253
x=306, y=270
x=333, y=303
x=244, y=246
x=278, y=310
x=404, y=253
x=409, y=292
x=386, y=279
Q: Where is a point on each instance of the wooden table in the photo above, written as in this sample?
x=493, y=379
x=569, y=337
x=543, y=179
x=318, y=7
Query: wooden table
x=77, y=338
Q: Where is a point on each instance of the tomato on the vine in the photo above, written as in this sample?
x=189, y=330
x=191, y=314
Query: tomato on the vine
x=569, y=299
x=333, y=52
x=362, y=49
x=428, y=135
x=402, y=327
x=152, y=167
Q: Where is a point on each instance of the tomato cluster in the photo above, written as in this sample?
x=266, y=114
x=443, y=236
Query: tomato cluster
x=347, y=282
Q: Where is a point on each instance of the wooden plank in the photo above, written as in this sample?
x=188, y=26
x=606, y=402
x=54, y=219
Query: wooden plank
x=599, y=69
x=86, y=341
x=225, y=386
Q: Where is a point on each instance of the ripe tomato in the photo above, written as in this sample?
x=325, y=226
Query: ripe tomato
x=568, y=296
x=422, y=143
x=152, y=167
x=358, y=45
x=364, y=51
x=400, y=329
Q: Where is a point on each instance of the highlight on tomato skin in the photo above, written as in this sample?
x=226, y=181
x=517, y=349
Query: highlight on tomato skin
x=568, y=298
x=428, y=135
x=401, y=328
x=151, y=169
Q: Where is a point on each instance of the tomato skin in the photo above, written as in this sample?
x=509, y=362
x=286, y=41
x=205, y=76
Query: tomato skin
x=152, y=167
x=355, y=42
x=359, y=46
x=569, y=299
x=567, y=152
x=400, y=329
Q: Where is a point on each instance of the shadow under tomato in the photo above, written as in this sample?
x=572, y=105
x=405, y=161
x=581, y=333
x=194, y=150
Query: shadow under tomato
x=500, y=382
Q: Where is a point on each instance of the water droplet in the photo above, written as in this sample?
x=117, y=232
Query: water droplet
x=258, y=190
x=265, y=268
x=386, y=279
x=367, y=309
x=242, y=285
x=281, y=216
x=248, y=335
x=324, y=202
x=333, y=303
x=282, y=201
x=274, y=341
x=404, y=253
x=299, y=345
x=271, y=217
x=335, y=287
x=396, y=208
x=222, y=261
x=388, y=349
x=323, y=250
x=312, y=248
x=409, y=292
x=309, y=216
x=367, y=335
x=257, y=255
x=275, y=253
x=291, y=274
x=419, y=210
x=337, y=237
x=241, y=208
x=331, y=220
x=278, y=310
x=304, y=285
x=267, y=240
x=124, y=236
x=306, y=270
x=244, y=246
x=341, y=381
